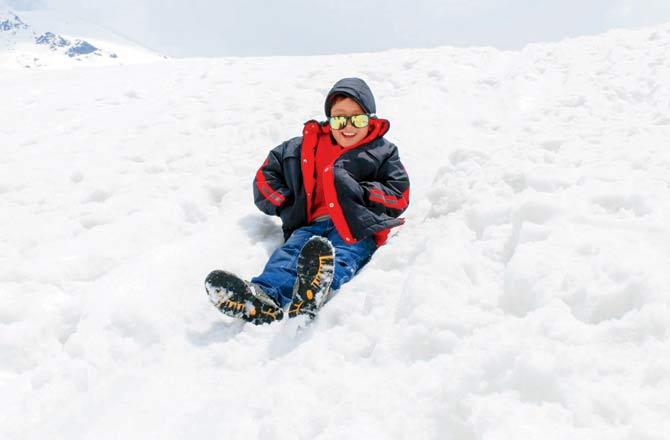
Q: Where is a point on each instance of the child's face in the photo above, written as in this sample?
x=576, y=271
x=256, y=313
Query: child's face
x=349, y=135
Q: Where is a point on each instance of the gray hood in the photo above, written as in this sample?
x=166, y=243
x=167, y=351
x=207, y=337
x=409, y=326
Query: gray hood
x=356, y=89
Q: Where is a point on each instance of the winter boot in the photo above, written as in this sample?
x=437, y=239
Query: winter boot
x=316, y=266
x=235, y=297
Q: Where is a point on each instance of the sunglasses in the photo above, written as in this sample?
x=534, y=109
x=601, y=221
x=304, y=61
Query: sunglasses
x=358, y=121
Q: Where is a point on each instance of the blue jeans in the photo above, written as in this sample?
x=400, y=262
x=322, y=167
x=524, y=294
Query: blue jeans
x=279, y=275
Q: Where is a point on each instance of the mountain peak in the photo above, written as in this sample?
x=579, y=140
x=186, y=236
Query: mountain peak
x=45, y=40
x=9, y=21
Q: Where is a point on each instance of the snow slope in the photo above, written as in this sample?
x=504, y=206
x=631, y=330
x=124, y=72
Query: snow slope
x=526, y=297
x=46, y=39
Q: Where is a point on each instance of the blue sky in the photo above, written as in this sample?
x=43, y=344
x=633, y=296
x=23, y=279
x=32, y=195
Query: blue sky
x=304, y=27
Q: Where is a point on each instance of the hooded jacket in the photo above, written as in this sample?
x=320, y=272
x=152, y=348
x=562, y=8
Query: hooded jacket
x=366, y=187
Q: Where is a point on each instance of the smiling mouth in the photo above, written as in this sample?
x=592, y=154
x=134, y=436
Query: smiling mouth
x=348, y=134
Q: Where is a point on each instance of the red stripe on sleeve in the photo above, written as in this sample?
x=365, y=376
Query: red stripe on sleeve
x=388, y=200
x=271, y=195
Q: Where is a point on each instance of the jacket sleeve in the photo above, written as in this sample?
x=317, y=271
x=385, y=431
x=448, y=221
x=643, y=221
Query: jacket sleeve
x=270, y=189
x=389, y=194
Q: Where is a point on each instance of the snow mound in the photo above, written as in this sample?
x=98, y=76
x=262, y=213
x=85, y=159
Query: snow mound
x=526, y=296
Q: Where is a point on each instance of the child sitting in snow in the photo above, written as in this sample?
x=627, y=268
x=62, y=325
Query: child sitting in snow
x=338, y=190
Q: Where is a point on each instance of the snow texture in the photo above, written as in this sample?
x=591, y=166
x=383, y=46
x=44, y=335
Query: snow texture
x=527, y=296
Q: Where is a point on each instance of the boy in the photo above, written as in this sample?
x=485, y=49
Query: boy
x=338, y=190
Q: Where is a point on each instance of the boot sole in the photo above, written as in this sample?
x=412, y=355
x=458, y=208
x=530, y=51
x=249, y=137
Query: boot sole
x=316, y=267
x=232, y=296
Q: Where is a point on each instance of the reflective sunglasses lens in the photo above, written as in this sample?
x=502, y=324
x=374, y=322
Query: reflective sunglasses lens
x=338, y=122
x=360, y=121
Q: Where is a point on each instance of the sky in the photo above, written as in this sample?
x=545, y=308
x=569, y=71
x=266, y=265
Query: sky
x=183, y=28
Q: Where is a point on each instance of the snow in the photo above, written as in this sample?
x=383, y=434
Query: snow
x=527, y=296
x=28, y=41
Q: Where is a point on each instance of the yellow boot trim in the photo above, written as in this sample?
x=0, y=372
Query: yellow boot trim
x=317, y=278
